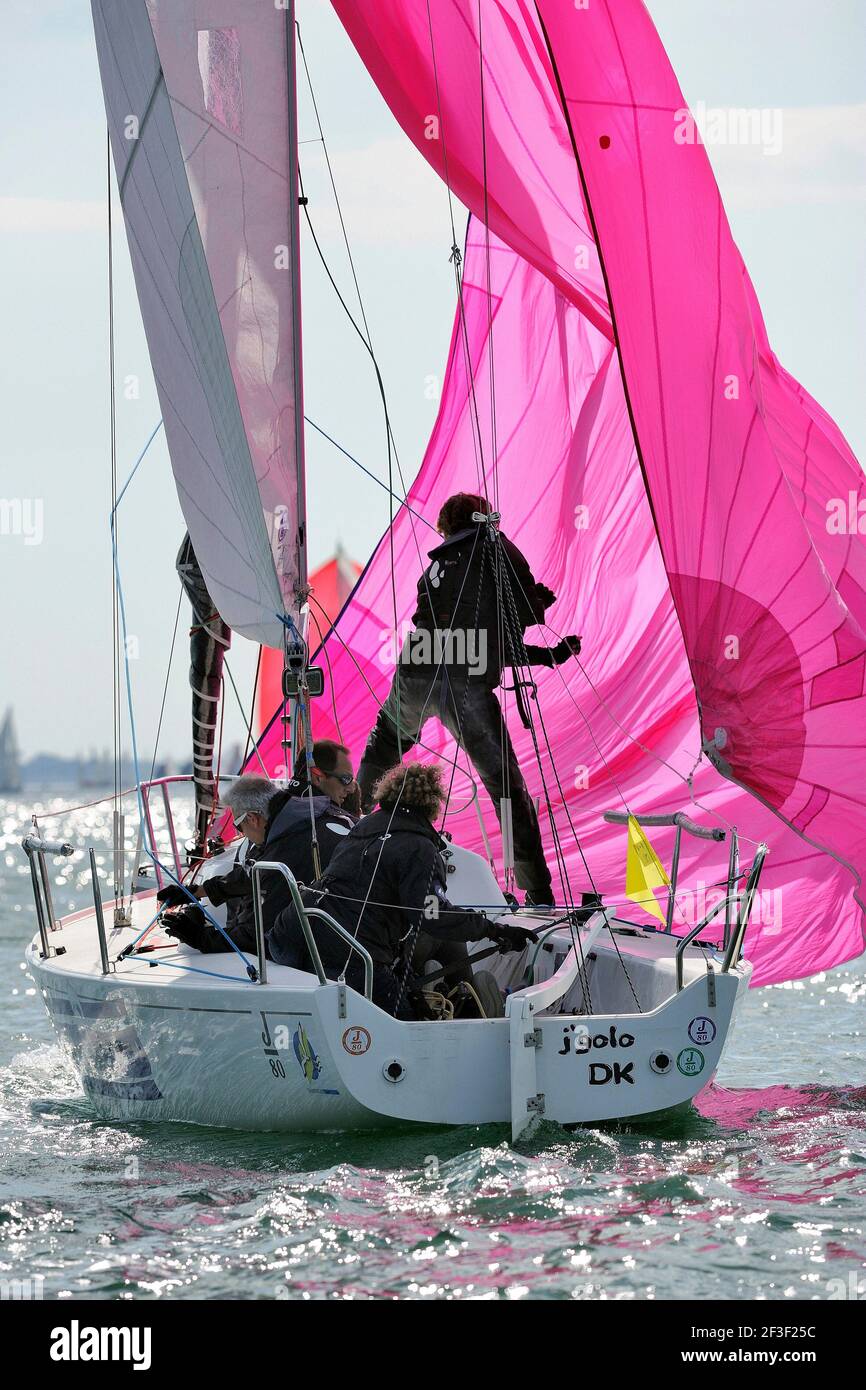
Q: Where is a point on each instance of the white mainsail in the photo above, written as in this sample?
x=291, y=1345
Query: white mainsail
x=200, y=102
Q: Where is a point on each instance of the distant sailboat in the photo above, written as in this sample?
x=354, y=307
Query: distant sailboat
x=10, y=763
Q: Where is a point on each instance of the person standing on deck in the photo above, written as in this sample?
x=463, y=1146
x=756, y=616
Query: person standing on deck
x=452, y=662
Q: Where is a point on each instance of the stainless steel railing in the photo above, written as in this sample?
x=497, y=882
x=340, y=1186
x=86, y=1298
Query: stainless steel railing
x=36, y=849
x=735, y=946
x=304, y=915
x=734, y=934
x=164, y=785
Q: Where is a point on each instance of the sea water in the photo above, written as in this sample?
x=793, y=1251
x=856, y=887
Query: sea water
x=759, y=1192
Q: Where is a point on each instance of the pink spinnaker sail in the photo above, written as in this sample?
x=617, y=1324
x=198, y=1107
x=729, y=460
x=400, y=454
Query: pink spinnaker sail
x=694, y=510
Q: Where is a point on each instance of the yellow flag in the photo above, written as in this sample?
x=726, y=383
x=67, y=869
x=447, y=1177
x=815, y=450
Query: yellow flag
x=643, y=871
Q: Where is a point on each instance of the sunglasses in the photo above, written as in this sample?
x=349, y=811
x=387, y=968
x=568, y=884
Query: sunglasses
x=346, y=779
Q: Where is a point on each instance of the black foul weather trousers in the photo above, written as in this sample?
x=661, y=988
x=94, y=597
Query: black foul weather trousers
x=470, y=711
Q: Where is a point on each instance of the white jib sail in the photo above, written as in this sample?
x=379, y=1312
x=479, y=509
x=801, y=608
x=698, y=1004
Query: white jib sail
x=199, y=97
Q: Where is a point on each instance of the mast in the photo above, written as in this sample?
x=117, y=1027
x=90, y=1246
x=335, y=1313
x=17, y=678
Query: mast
x=296, y=709
x=295, y=272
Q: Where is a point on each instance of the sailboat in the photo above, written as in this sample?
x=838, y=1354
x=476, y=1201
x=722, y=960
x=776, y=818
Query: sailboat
x=610, y=384
x=10, y=761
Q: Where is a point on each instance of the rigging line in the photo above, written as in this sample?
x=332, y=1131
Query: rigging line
x=494, y=446
x=154, y=432
x=146, y=841
x=490, y=353
x=456, y=259
x=650, y=752
x=419, y=743
x=369, y=473
x=518, y=647
x=501, y=637
x=84, y=806
x=165, y=686
x=595, y=741
x=247, y=723
x=584, y=186
x=472, y=399
x=389, y=435
x=369, y=344
x=449, y=689
x=390, y=441
x=323, y=647
x=101, y=801
x=518, y=650
x=401, y=907
x=389, y=438
x=441, y=125
x=367, y=340
x=385, y=837
x=516, y=643
x=117, y=734
x=556, y=774
x=578, y=707
x=556, y=668
x=571, y=824
x=333, y=185
x=252, y=709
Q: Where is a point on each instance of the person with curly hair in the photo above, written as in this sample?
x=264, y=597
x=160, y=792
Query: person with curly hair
x=453, y=660
x=386, y=884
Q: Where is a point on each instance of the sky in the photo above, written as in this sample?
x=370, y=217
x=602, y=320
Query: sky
x=797, y=206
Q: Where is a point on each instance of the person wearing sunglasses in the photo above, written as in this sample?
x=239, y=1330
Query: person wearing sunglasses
x=331, y=774
x=277, y=824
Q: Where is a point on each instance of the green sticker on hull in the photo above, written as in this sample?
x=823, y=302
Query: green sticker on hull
x=690, y=1061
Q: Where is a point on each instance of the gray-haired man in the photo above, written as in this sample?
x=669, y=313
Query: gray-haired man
x=278, y=825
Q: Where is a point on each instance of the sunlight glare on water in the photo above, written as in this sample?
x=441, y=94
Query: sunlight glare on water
x=757, y=1193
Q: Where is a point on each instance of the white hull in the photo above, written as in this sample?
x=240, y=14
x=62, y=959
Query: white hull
x=152, y=1041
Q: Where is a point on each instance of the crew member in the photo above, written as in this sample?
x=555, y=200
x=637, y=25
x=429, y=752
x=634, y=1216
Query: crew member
x=278, y=826
x=386, y=885
x=475, y=600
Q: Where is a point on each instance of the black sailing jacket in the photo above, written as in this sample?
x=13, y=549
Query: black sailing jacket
x=458, y=592
x=391, y=858
x=289, y=841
